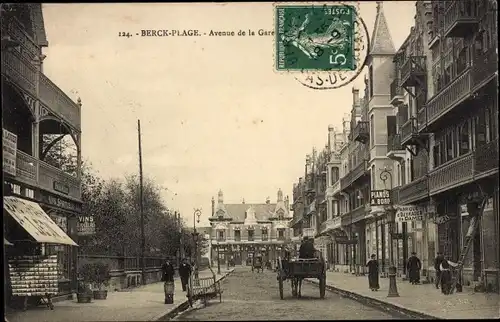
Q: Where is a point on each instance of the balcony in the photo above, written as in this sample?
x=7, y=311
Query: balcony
x=484, y=69
x=56, y=100
x=40, y=174
x=395, y=151
x=361, y=132
x=460, y=19
x=452, y=174
x=26, y=168
x=19, y=71
x=396, y=92
x=413, y=71
x=413, y=191
x=486, y=158
x=354, y=216
x=359, y=171
x=448, y=98
x=408, y=130
x=421, y=119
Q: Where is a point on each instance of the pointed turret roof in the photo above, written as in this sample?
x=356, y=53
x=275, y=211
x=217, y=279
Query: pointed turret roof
x=381, y=42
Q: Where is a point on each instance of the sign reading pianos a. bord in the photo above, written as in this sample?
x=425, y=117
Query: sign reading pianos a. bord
x=380, y=197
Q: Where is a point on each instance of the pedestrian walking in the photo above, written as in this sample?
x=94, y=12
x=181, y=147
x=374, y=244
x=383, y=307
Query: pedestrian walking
x=167, y=277
x=437, y=263
x=184, y=272
x=446, y=277
x=372, y=265
x=413, y=267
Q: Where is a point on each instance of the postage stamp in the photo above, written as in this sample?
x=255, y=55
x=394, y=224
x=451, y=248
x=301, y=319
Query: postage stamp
x=315, y=38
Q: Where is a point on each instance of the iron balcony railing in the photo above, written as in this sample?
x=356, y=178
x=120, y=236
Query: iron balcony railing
x=413, y=191
x=449, y=97
x=414, y=66
x=361, y=131
x=460, y=18
x=394, y=143
x=396, y=92
x=486, y=158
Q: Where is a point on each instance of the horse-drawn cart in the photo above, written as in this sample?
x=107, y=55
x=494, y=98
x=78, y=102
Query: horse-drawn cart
x=257, y=264
x=296, y=269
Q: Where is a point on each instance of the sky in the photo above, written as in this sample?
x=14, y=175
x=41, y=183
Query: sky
x=214, y=113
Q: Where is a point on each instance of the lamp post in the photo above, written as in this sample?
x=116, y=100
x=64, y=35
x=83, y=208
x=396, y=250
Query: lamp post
x=393, y=289
x=218, y=257
x=196, y=218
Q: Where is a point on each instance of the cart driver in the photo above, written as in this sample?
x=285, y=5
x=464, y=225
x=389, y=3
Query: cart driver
x=306, y=249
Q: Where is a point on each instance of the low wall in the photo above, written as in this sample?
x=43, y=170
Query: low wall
x=125, y=271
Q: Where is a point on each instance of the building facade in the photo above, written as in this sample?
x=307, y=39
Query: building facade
x=446, y=141
x=242, y=230
x=35, y=110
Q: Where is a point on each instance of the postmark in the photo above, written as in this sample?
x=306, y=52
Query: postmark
x=321, y=46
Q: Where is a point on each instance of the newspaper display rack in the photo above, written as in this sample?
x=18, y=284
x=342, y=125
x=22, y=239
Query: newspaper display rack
x=34, y=276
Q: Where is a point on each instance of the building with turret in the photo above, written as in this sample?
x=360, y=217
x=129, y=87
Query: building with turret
x=241, y=230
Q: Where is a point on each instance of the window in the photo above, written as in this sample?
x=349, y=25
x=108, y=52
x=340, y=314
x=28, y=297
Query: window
x=333, y=212
x=250, y=235
x=220, y=235
x=411, y=165
x=371, y=81
x=448, y=67
x=237, y=235
x=403, y=172
x=334, y=175
x=463, y=138
x=450, y=146
x=493, y=119
x=462, y=60
x=372, y=131
x=373, y=177
x=436, y=76
x=264, y=234
x=480, y=129
x=398, y=173
x=281, y=234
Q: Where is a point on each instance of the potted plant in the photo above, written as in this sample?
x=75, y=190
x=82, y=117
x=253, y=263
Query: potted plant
x=84, y=292
x=101, y=279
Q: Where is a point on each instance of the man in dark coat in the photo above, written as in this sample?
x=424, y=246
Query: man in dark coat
x=167, y=277
x=306, y=249
x=437, y=263
x=413, y=267
x=372, y=265
x=184, y=272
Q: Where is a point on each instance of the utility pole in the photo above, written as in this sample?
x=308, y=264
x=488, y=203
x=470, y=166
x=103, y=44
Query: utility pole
x=141, y=204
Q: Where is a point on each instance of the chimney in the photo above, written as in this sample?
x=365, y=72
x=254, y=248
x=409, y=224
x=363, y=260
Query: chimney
x=213, y=206
x=243, y=201
x=268, y=200
x=355, y=96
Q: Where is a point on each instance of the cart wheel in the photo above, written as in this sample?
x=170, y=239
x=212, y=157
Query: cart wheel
x=322, y=286
x=280, y=284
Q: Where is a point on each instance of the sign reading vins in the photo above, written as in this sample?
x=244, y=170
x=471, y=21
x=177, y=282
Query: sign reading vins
x=380, y=197
x=86, y=225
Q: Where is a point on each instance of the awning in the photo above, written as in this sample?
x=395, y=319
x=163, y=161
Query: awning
x=6, y=242
x=36, y=222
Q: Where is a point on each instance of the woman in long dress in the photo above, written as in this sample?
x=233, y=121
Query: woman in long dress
x=373, y=273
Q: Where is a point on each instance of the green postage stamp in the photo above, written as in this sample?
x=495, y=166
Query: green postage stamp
x=315, y=38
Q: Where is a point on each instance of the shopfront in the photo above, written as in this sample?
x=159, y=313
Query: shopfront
x=31, y=231
x=65, y=213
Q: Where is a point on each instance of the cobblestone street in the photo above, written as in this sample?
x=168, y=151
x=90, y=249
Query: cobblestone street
x=255, y=296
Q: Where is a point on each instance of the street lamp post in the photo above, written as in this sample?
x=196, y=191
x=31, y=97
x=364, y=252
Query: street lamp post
x=196, y=218
x=218, y=257
x=393, y=289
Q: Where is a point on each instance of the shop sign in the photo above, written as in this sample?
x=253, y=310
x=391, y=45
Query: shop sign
x=380, y=197
x=409, y=214
x=9, y=147
x=86, y=225
x=61, y=187
x=59, y=202
x=442, y=219
x=345, y=240
x=61, y=221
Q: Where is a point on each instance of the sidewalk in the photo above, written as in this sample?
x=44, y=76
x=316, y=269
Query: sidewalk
x=424, y=299
x=145, y=303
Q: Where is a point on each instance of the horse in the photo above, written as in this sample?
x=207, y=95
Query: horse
x=297, y=286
